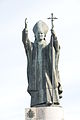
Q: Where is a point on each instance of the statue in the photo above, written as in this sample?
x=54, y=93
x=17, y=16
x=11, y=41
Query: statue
x=42, y=66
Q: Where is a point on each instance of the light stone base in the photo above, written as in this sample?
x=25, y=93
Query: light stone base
x=44, y=113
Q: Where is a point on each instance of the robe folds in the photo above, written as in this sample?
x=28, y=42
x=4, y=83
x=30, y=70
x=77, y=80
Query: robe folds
x=39, y=71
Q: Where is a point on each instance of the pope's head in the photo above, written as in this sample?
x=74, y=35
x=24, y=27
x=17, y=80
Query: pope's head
x=40, y=30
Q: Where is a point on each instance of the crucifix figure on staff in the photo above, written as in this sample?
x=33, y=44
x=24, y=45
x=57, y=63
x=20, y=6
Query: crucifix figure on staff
x=44, y=85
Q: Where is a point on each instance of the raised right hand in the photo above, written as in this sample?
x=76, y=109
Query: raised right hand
x=26, y=29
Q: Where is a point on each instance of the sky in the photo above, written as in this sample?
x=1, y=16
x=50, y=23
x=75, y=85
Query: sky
x=13, y=62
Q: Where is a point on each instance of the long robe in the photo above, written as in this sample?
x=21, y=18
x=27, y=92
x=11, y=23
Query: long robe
x=39, y=71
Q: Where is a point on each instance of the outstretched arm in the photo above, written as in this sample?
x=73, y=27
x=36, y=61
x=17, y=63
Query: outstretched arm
x=25, y=39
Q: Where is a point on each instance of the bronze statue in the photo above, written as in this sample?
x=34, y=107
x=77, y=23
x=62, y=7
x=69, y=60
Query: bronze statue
x=42, y=66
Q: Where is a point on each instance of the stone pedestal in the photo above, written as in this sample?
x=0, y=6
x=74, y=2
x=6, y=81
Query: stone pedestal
x=44, y=113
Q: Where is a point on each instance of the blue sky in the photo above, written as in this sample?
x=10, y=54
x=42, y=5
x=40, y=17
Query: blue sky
x=13, y=62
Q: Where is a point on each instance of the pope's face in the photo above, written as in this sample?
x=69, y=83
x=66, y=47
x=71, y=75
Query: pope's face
x=40, y=36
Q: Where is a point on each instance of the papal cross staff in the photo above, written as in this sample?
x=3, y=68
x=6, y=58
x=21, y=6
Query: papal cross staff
x=55, y=96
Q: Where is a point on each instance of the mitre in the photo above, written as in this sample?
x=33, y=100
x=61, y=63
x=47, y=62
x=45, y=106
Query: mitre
x=40, y=27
